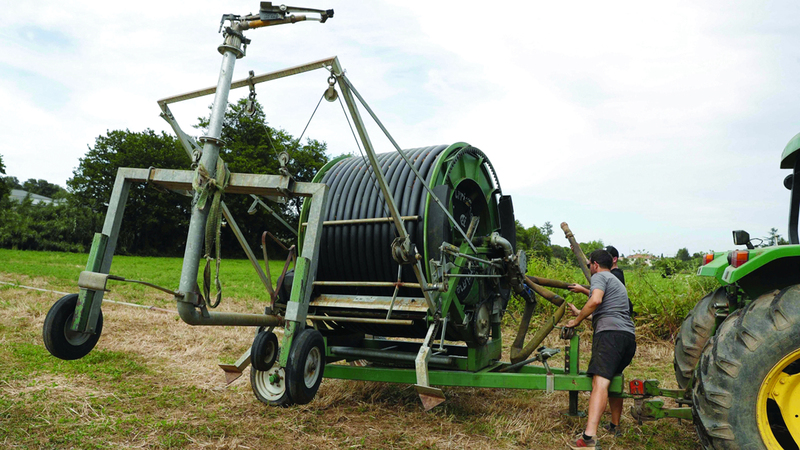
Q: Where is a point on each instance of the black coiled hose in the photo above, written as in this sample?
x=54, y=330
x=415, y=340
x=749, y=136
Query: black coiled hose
x=362, y=252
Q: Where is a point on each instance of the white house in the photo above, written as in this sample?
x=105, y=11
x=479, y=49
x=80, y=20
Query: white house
x=18, y=195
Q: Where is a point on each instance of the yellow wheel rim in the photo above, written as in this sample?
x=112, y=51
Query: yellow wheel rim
x=784, y=389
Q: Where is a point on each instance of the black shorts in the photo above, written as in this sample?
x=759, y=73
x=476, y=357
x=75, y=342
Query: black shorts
x=612, y=352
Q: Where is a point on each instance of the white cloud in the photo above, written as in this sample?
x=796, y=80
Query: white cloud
x=648, y=125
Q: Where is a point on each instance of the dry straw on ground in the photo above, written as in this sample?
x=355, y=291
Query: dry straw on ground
x=178, y=399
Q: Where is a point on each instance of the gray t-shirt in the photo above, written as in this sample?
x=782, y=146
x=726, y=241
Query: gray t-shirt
x=613, y=313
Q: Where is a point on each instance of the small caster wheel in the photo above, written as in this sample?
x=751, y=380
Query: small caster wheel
x=59, y=339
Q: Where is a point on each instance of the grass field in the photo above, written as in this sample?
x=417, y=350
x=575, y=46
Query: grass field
x=153, y=381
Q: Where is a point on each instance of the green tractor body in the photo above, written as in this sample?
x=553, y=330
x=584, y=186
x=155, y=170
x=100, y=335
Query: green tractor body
x=737, y=353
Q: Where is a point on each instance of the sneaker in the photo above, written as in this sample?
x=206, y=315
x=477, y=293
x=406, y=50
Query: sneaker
x=615, y=431
x=591, y=444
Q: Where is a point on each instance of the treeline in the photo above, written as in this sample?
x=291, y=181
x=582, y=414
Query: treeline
x=536, y=243
x=535, y=240
x=156, y=220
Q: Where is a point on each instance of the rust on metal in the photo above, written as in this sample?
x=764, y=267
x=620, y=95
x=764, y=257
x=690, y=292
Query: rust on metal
x=430, y=396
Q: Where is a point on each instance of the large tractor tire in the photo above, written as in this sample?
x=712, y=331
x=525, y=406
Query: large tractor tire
x=695, y=331
x=747, y=384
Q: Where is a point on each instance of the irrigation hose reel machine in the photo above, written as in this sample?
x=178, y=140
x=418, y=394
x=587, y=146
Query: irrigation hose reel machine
x=405, y=267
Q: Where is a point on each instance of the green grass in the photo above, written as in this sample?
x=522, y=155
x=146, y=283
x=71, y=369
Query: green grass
x=239, y=279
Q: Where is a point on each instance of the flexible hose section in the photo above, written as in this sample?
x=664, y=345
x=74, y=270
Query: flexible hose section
x=362, y=252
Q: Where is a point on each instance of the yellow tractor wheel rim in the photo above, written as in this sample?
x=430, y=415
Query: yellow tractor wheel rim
x=784, y=389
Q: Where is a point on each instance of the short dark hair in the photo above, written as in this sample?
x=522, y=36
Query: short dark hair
x=602, y=257
x=613, y=250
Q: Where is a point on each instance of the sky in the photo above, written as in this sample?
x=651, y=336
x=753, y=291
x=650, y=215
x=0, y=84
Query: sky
x=649, y=126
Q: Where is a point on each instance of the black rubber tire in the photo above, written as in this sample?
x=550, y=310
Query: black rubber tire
x=59, y=339
x=733, y=366
x=306, y=365
x=695, y=331
x=264, y=351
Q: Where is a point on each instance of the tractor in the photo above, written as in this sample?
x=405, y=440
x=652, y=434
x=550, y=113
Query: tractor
x=737, y=353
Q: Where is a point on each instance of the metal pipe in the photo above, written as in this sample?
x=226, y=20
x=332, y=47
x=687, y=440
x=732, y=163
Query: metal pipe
x=376, y=168
x=271, y=291
x=391, y=204
x=246, y=247
x=192, y=316
x=349, y=87
x=197, y=225
x=244, y=82
x=367, y=284
x=274, y=214
x=453, y=250
x=268, y=23
x=369, y=353
x=499, y=241
x=360, y=221
x=359, y=320
x=470, y=275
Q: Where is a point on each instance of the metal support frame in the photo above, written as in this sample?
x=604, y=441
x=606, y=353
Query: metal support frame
x=376, y=168
x=572, y=366
x=528, y=378
x=87, y=310
x=330, y=64
x=475, y=367
x=494, y=375
x=105, y=243
x=430, y=396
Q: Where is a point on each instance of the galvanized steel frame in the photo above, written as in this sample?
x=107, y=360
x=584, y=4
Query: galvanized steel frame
x=102, y=255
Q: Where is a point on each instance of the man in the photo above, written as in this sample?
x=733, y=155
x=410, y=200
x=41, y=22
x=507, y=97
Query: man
x=617, y=272
x=613, y=342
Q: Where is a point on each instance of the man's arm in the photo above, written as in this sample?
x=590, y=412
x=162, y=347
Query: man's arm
x=578, y=289
x=594, y=301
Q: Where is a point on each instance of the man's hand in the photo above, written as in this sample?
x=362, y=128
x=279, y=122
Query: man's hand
x=577, y=288
x=572, y=323
x=575, y=311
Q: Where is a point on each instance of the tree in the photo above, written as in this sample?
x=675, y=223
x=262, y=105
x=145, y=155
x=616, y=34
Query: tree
x=773, y=238
x=683, y=254
x=535, y=240
x=566, y=253
x=68, y=226
x=4, y=188
x=155, y=221
x=11, y=182
x=43, y=187
x=253, y=147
